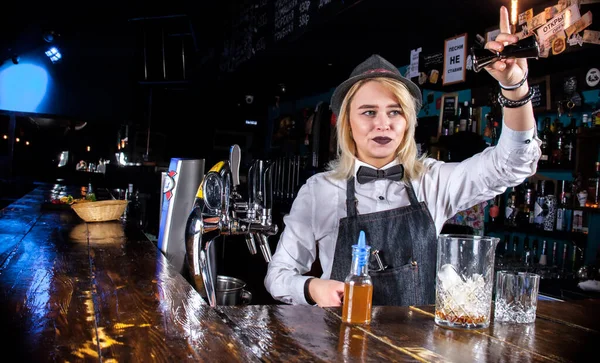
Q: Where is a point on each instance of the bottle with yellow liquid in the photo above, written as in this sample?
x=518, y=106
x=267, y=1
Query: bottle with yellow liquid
x=358, y=290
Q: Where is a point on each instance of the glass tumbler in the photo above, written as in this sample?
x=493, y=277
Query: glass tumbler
x=516, y=297
x=464, y=281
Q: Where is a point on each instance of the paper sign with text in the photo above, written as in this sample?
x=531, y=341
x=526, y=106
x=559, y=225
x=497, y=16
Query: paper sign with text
x=591, y=36
x=413, y=69
x=525, y=16
x=455, y=57
x=557, y=24
x=579, y=25
x=536, y=22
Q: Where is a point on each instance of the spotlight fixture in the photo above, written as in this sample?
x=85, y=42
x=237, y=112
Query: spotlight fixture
x=53, y=54
x=49, y=36
x=15, y=59
x=282, y=88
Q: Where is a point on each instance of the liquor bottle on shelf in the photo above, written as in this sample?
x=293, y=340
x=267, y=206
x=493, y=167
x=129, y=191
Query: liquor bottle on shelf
x=553, y=259
x=515, y=254
x=465, y=117
x=494, y=211
x=558, y=150
x=451, y=125
x=593, y=197
x=526, y=213
x=501, y=254
x=527, y=261
x=546, y=138
x=544, y=254
x=534, y=253
x=570, y=143
x=563, y=262
x=511, y=210
x=564, y=210
x=474, y=117
x=574, y=265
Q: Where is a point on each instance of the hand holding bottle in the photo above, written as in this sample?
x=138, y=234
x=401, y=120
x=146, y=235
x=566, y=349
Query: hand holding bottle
x=506, y=71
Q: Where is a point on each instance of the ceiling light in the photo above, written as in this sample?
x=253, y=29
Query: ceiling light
x=54, y=54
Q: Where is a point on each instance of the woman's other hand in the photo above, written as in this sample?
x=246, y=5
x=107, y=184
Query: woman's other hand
x=506, y=71
x=326, y=293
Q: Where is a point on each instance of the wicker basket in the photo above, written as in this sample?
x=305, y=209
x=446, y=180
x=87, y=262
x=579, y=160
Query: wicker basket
x=105, y=210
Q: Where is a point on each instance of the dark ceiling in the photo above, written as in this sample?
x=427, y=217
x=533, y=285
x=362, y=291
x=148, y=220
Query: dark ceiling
x=312, y=63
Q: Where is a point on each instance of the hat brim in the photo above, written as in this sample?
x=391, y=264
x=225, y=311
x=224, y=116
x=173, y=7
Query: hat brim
x=341, y=90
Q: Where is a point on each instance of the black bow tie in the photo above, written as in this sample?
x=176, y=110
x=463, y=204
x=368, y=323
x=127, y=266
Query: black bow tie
x=366, y=174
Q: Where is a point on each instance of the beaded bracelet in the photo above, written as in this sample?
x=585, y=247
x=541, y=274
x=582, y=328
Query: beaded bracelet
x=512, y=88
x=505, y=102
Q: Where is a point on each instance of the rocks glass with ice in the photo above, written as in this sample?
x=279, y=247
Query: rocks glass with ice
x=465, y=280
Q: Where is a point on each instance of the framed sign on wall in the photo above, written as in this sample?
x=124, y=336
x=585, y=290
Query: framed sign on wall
x=455, y=59
x=541, y=100
x=448, y=109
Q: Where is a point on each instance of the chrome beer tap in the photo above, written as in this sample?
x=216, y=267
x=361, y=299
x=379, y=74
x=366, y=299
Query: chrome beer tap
x=220, y=210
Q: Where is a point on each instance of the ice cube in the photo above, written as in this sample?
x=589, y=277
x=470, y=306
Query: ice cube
x=449, y=277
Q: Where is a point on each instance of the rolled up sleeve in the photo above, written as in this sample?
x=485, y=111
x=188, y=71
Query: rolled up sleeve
x=295, y=253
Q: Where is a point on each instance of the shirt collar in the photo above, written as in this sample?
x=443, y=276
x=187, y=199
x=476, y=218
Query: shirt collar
x=358, y=164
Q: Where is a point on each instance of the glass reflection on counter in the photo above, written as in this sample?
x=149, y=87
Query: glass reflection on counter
x=353, y=342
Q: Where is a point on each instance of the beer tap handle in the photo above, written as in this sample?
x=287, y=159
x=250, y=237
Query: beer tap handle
x=267, y=178
x=234, y=163
x=265, y=248
x=251, y=183
x=251, y=243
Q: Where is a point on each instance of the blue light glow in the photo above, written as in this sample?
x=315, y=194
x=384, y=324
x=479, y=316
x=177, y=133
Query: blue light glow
x=22, y=87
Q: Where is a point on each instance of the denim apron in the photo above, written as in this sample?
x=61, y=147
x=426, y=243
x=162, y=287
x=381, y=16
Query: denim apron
x=406, y=241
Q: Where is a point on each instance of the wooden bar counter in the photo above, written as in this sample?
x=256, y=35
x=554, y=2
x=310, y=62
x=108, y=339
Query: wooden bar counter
x=75, y=291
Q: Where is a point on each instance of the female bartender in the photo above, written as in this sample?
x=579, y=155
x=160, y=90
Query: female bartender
x=379, y=185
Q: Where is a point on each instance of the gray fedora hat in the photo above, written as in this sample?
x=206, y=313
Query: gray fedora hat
x=374, y=66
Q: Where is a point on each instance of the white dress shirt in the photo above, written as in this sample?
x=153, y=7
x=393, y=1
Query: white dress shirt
x=446, y=188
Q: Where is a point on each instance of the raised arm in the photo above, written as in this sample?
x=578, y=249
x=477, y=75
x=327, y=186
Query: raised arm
x=511, y=72
x=451, y=187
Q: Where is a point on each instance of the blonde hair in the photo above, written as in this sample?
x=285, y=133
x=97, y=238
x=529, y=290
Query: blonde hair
x=406, y=154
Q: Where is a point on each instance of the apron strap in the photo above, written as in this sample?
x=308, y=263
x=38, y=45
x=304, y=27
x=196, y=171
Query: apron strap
x=351, y=200
x=411, y=194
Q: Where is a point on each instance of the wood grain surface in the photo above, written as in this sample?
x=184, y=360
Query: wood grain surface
x=75, y=291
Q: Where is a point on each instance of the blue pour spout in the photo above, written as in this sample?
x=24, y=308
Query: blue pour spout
x=360, y=251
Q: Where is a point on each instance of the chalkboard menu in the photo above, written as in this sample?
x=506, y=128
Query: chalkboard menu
x=541, y=100
x=259, y=25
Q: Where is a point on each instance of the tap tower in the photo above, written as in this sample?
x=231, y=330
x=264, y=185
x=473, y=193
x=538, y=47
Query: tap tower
x=219, y=209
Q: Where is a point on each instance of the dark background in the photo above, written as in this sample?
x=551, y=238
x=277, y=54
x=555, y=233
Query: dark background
x=112, y=73
x=180, y=72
